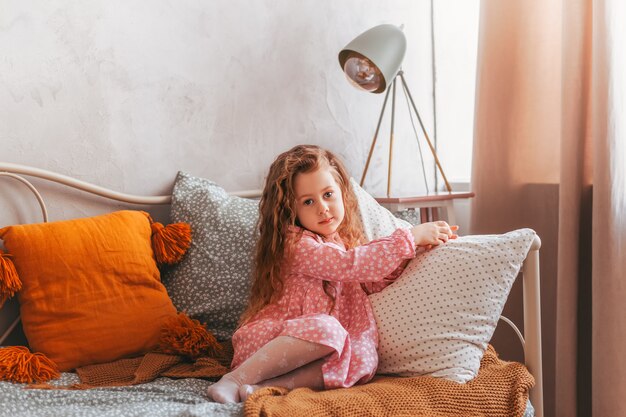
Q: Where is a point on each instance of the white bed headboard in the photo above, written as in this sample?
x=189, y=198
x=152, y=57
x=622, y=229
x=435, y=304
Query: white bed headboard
x=531, y=279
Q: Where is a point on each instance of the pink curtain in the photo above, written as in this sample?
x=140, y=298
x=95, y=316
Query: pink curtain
x=549, y=153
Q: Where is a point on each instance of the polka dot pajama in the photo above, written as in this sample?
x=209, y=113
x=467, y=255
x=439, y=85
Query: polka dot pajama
x=306, y=312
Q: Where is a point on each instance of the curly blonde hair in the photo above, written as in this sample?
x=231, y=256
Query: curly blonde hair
x=278, y=213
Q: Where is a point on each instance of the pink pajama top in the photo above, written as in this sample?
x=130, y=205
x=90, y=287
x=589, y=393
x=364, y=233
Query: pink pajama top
x=304, y=310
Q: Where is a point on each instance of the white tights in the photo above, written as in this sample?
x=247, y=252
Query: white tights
x=286, y=362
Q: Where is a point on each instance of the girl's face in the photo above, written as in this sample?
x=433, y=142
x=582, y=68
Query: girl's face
x=319, y=202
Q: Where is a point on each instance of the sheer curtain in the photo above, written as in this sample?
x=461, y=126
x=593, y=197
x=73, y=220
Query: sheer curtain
x=549, y=153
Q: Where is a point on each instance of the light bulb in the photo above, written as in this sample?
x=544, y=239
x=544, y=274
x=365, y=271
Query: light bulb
x=362, y=73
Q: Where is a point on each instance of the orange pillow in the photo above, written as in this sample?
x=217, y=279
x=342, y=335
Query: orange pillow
x=91, y=290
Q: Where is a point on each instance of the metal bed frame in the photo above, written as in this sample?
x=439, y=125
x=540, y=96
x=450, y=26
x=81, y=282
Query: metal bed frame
x=530, y=270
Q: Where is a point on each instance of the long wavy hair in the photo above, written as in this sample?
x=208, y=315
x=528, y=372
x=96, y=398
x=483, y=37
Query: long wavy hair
x=278, y=213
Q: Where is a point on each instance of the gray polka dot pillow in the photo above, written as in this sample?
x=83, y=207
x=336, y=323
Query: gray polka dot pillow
x=440, y=314
x=212, y=281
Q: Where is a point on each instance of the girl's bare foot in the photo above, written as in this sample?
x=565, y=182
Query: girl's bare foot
x=226, y=390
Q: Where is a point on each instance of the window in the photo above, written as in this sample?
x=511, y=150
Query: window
x=455, y=38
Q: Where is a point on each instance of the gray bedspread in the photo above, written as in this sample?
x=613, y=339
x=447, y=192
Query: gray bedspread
x=162, y=397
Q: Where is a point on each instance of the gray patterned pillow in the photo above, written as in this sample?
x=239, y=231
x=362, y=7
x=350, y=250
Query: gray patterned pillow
x=212, y=281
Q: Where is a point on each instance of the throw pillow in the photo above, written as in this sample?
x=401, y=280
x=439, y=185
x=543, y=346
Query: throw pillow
x=90, y=288
x=212, y=282
x=377, y=221
x=440, y=314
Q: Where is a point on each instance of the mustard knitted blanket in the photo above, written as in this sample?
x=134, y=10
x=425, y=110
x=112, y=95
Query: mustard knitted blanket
x=500, y=389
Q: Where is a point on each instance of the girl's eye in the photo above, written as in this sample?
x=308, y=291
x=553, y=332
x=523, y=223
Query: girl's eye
x=308, y=202
x=329, y=194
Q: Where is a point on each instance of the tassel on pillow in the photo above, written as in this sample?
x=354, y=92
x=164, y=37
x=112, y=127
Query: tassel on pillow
x=9, y=281
x=182, y=335
x=18, y=364
x=170, y=243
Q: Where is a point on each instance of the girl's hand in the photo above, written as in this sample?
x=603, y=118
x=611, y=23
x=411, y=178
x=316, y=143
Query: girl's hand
x=433, y=233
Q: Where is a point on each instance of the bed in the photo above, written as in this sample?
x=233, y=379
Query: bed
x=171, y=397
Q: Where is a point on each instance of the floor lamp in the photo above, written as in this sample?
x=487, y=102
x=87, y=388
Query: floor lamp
x=372, y=62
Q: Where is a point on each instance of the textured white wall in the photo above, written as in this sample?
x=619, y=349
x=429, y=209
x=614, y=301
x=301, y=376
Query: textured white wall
x=126, y=93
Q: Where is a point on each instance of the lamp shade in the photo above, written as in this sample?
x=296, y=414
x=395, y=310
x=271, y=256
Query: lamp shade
x=373, y=58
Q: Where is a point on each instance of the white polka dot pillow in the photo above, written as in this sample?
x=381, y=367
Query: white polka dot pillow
x=213, y=280
x=377, y=220
x=440, y=314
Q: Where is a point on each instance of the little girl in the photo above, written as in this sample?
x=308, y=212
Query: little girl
x=309, y=322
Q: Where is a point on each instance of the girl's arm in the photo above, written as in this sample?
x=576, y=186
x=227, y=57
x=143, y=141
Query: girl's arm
x=374, y=287
x=367, y=263
x=426, y=235
x=433, y=233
